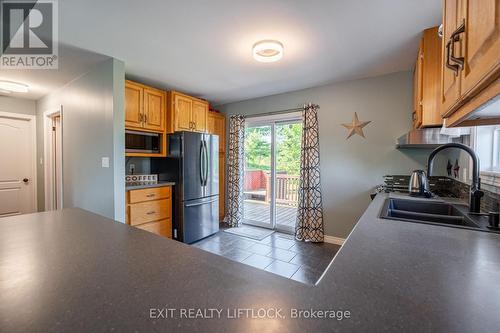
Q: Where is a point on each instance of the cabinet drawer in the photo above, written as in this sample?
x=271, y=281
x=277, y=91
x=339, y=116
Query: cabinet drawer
x=149, y=194
x=162, y=228
x=150, y=211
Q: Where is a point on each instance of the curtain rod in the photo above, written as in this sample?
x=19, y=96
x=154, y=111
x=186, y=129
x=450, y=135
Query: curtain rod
x=272, y=113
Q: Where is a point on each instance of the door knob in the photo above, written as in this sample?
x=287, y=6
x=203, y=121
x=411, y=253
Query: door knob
x=25, y=180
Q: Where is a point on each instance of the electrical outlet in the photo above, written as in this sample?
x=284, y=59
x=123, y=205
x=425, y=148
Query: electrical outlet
x=105, y=162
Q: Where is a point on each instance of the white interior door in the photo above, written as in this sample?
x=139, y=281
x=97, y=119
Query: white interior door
x=17, y=164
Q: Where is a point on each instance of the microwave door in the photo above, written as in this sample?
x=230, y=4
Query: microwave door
x=142, y=142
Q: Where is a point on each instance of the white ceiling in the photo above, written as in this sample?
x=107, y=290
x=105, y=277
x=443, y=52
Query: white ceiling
x=73, y=62
x=203, y=47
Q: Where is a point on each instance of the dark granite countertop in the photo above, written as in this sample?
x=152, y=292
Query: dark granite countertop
x=74, y=271
x=141, y=185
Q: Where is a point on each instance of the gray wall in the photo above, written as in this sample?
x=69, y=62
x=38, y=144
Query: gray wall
x=350, y=169
x=17, y=105
x=93, y=127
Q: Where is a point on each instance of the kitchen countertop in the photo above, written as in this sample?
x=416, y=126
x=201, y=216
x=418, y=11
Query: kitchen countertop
x=72, y=270
x=141, y=185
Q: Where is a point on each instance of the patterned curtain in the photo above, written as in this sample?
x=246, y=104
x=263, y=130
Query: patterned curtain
x=235, y=165
x=309, y=225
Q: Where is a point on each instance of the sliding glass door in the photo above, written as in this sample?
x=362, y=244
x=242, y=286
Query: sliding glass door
x=287, y=147
x=257, y=188
x=272, y=168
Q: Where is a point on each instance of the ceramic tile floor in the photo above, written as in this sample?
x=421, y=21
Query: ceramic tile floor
x=278, y=253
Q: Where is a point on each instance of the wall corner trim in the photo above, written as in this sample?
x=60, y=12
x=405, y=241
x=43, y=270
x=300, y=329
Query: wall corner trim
x=334, y=240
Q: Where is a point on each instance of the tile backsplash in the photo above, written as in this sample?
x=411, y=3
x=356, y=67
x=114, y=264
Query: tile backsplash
x=446, y=187
x=137, y=165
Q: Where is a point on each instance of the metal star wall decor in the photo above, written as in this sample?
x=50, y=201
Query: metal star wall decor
x=356, y=126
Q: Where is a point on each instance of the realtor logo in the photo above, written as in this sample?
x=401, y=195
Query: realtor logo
x=28, y=34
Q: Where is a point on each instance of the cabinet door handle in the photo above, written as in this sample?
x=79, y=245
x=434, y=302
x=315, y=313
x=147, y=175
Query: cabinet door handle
x=141, y=117
x=150, y=195
x=453, y=67
x=455, y=37
x=145, y=118
x=151, y=212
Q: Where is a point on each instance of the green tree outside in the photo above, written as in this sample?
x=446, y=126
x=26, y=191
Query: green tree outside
x=258, y=148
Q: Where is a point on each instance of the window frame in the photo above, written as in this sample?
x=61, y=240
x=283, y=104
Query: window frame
x=491, y=174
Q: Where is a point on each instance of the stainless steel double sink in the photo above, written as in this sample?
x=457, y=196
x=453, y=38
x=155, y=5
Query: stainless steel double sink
x=433, y=212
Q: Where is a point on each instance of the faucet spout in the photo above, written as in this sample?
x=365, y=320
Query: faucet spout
x=475, y=190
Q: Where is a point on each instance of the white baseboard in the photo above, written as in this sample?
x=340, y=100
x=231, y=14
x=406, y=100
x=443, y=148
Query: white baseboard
x=334, y=240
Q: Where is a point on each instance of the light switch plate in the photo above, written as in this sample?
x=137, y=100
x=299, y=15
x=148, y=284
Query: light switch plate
x=105, y=162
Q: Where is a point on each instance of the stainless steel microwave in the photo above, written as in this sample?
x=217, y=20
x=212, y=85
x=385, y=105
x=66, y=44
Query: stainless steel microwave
x=142, y=142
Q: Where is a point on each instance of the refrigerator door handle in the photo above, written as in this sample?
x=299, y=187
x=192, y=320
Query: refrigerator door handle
x=201, y=203
x=202, y=164
x=206, y=162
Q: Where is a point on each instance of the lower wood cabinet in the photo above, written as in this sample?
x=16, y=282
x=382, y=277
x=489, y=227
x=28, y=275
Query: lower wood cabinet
x=150, y=209
x=162, y=227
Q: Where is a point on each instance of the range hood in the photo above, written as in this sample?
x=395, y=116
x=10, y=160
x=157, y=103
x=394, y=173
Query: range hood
x=427, y=138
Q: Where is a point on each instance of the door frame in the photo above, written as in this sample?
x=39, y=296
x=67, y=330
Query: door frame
x=272, y=220
x=272, y=121
x=48, y=158
x=32, y=120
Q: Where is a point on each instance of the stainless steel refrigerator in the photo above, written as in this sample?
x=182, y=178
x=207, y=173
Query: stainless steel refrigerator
x=193, y=163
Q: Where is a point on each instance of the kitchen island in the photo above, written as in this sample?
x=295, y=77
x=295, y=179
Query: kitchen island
x=73, y=271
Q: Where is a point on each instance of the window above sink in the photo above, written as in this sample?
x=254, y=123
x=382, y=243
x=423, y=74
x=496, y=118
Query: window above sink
x=486, y=144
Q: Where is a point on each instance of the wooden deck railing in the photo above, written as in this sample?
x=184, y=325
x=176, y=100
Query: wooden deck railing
x=287, y=189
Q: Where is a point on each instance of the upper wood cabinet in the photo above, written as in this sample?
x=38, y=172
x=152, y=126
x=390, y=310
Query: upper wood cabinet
x=431, y=78
x=471, y=60
x=481, y=44
x=186, y=113
x=182, y=113
x=144, y=107
x=154, y=109
x=217, y=125
x=450, y=81
x=426, y=80
x=199, y=116
x=134, y=95
x=417, y=89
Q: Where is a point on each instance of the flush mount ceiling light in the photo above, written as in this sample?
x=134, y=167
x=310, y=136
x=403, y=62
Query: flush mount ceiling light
x=268, y=51
x=13, y=87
